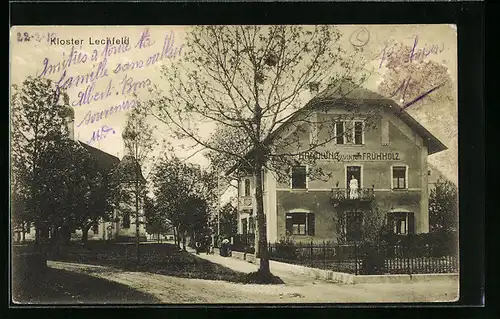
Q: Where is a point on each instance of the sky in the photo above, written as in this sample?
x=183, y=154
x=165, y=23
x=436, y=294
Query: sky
x=122, y=70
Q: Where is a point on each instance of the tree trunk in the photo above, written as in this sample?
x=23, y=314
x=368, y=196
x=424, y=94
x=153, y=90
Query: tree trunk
x=260, y=157
x=184, y=241
x=85, y=233
x=175, y=236
x=261, y=217
x=137, y=224
x=23, y=235
x=38, y=234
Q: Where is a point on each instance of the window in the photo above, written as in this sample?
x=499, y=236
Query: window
x=401, y=223
x=300, y=224
x=244, y=226
x=126, y=221
x=349, y=132
x=95, y=229
x=251, y=225
x=358, y=132
x=299, y=177
x=339, y=132
x=353, y=226
x=399, y=177
x=247, y=187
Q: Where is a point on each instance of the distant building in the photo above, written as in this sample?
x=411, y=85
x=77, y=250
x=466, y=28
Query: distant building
x=122, y=225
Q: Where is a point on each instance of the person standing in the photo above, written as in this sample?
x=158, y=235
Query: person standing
x=353, y=188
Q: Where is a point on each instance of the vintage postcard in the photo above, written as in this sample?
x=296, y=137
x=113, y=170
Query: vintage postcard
x=228, y=164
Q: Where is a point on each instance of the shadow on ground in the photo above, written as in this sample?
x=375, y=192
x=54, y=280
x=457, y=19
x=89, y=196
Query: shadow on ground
x=55, y=286
x=164, y=259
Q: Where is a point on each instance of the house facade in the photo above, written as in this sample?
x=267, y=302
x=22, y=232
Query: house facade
x=371, y=163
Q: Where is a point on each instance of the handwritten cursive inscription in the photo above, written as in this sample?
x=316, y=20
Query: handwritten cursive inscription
x=100, y=134
x=76, y=56
x=93, y=117
x=421, y=96
x=398, y=51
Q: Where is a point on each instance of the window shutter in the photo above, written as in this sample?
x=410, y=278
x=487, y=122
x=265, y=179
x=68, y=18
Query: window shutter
x=411, y=223
x=311, y=225
x=289, y=223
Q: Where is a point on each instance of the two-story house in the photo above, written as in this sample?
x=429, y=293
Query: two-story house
x=374, y=155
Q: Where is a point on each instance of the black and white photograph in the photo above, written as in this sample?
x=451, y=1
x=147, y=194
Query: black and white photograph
x=233, y=164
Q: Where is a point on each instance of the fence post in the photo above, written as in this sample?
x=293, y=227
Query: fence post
x=312, y=251
x=408, y=245
x=324, y=255
x=355, y=259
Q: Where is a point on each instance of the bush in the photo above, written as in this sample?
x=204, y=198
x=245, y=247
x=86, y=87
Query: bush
x=373, y=260
x=434, y=244
x=285, y=249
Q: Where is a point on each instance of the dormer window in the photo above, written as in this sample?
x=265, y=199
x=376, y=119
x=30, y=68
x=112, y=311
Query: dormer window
x=358, y=132
x=349, y=132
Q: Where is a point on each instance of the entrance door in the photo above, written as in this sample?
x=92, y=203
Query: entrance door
x=353, y=171
x=353, y=181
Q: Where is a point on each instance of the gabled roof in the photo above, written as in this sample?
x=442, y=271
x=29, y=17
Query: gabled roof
x=126, y=169
x=347, y=93
x=104, y=160
x=368, y=97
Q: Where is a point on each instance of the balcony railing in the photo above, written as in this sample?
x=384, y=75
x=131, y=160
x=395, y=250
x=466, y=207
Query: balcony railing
x=347, y=194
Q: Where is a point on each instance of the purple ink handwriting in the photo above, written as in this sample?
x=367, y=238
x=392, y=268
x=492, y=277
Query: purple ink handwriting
x=130, y=86
x=145, y=40
x=76, y=56
x=89, y=95
x=100, y=134
x=169, y=50
x=402, y=90
x=110, y=49
x=94, y=117
x=417, y=53
x=67, y=82
x=421, y=96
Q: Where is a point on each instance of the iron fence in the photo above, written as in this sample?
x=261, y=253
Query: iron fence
x=366, y=259
x=244, y=243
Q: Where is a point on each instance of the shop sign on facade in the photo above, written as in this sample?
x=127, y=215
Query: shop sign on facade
x=348, y=157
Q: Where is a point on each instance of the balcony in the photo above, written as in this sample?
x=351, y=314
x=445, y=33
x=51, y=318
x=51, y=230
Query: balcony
x=346, y=195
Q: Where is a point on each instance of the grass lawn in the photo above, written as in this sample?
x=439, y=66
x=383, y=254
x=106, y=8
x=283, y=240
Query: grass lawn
x=164, y=259
x=56, y=286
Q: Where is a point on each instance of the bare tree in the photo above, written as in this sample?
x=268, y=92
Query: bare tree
x=254, y=84
x=139, y=142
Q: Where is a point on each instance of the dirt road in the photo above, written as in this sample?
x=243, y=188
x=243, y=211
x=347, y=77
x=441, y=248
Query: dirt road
x=170, y=289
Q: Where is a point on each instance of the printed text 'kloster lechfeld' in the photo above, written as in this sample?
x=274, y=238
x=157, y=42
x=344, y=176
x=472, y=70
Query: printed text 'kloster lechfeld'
x=91, y=41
